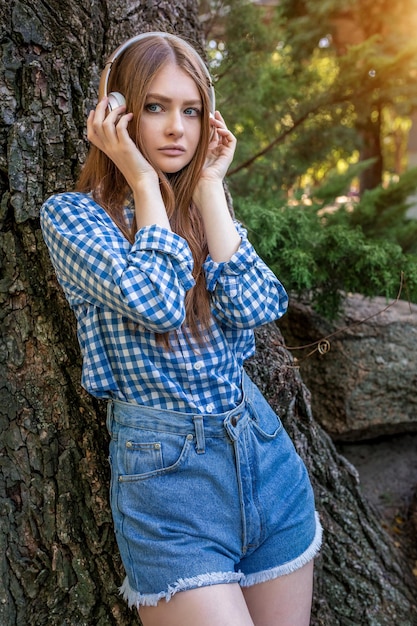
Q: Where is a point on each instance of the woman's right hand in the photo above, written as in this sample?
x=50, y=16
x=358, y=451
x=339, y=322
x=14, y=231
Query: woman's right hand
x=109, y=133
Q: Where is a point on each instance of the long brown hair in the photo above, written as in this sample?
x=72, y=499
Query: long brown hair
x=132, y=74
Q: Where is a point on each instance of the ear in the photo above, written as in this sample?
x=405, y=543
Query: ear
x=116, y=99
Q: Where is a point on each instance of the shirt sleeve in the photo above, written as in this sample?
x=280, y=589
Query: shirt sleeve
x=245, y=292
x=145, y=281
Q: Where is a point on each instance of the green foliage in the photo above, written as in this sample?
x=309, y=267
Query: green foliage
x=312, y=111
x=320, y=257
x=300, y=97
x=381, y=213
x=293, y=116
x=336, y=184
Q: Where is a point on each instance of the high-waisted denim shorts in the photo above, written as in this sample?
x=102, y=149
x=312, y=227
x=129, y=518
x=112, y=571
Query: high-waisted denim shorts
x=207, y=499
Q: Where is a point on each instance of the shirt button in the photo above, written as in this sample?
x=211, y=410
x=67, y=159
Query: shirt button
x=209, y=408
x=198, y=365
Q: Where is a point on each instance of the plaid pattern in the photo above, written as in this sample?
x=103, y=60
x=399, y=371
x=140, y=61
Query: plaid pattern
x=122, y=294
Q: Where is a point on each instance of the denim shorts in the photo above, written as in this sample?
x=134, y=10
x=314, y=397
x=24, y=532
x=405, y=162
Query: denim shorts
x=207, y=499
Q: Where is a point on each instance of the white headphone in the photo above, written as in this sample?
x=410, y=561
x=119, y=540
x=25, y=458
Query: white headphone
x=117, y=99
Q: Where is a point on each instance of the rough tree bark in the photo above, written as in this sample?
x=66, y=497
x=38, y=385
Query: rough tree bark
x=58, y=560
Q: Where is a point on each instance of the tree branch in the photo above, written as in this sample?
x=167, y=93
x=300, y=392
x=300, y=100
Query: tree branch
x=269, y=147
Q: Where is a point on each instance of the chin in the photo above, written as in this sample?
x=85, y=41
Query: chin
x=172, y=170
x=172, y=167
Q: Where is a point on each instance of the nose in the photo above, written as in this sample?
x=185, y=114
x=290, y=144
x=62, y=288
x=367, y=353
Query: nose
x=175, y=124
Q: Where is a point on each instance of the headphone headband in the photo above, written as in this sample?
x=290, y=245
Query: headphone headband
x=104, y=79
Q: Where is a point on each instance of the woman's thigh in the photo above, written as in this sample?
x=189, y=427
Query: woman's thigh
x=283, y=601
x=222, y=605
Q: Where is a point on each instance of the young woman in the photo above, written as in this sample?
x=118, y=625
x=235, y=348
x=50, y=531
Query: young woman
x=212, y=507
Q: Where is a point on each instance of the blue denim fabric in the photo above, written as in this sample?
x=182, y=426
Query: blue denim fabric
x=207, y=499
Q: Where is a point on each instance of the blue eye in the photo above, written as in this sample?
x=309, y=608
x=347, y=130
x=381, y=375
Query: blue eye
x=152, y=107
x=192, y=112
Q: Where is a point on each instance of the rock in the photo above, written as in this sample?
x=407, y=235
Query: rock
x=362, y=369
x=387, y=470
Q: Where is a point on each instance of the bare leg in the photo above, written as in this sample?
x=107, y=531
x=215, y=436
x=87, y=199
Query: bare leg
x=283, y=601
x=222, y=605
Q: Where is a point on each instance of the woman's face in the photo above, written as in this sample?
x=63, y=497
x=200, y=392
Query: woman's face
x=171, y=120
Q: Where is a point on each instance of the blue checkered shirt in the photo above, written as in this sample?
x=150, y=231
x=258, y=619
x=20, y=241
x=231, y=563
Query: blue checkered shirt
x=123, y=293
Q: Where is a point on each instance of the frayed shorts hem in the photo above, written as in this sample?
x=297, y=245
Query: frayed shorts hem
x=290, y=566
x=136, y=599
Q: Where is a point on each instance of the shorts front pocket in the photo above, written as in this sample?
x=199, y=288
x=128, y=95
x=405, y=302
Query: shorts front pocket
x=143, y=453
x=264, y=419
x=142, y=458
x=270, y=428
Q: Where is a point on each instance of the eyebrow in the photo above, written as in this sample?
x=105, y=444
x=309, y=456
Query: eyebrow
x=162, y=98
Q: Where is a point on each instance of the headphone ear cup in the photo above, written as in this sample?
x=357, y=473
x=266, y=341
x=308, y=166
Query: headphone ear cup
x=212, y=130
x=116, y=99
x=212, y=96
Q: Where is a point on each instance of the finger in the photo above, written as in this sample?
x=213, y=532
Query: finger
x=99, y=114
x=115, y=113
x=221, y=128
x=219, y=117
x=212, y=123
x=101, y=109
x=219, y=124
x=91, y=128
x=108, y=127
x=90, y=117
x=104, y=114
x=123, y=121
x=226, y=135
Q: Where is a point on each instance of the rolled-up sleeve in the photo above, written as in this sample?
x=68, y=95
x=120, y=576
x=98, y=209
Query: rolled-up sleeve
x=145, y=281
x=245, y=292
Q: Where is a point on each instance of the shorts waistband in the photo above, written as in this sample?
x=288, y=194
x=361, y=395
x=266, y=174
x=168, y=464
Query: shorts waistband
x=214, y=424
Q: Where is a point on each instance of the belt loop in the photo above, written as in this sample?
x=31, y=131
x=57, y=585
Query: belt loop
x=247, y=386
x=199, y=433
x=109, y=417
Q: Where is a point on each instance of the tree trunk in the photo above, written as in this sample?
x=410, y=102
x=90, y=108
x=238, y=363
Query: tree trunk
x=59, y=562
x=370, y=131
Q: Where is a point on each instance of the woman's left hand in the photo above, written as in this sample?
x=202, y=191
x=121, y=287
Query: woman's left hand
x=220, y=151
x=209, y=197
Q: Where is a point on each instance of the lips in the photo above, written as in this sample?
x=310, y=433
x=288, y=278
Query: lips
x=172, y=150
